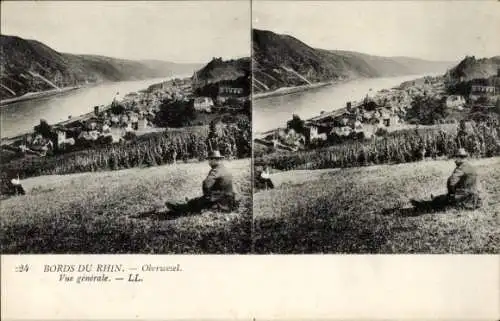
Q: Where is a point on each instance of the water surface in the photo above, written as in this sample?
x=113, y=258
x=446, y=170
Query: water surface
x=21, y=117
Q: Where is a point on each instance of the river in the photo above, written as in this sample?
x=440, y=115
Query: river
x=21, y=117
x=273, y=112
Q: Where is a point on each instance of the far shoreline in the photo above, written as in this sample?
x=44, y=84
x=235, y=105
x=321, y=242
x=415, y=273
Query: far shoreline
x=54, y=92
x=283, y=91
x=294, y=89
x=37, y=95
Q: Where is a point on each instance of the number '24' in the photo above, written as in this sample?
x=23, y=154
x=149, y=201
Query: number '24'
x=22, y=268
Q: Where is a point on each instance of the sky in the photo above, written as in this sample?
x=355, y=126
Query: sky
x=434, y=30
x=184, y=31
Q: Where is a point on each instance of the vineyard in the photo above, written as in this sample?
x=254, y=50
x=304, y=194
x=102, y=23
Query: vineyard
x=480, y=139
x=233, y=140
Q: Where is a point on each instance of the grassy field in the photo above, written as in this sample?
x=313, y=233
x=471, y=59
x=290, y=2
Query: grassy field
x=100, y=213
x=367, y=210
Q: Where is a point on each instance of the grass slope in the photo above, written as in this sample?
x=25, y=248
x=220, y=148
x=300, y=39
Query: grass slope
x=218, y=70
x=365, y=210
x=94, y=213
x=471, y=68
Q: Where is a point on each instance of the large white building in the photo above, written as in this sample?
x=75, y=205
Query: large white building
x=203, y=104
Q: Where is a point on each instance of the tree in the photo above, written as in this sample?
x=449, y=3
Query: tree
x=117, y=109
x=297, y=124
x=44, y=129
x=427, y=110
x=175, y=113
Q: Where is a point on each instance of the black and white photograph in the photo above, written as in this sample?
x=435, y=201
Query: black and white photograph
x=376, y=127
x=249, y=160
x=125, y=127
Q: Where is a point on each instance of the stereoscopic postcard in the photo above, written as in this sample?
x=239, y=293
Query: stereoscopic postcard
x=250, y=160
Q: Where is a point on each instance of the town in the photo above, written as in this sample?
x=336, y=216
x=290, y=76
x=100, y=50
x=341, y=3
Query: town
x=173, y=103
x=424, y=101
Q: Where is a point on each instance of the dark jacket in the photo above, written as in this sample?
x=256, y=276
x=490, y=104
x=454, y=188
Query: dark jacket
x=463, y=181
x=218, y=184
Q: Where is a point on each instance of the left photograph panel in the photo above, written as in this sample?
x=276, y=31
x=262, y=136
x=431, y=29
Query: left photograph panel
x=125, y=127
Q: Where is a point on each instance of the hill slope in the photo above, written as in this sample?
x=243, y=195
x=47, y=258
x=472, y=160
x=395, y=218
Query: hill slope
x=282, y=60
x=31, y=66
x=472, y=68
x=99, y=213
x=366, y=210
x=218, y=70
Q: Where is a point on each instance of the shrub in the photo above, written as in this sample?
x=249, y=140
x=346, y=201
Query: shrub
x=130, y=136
x=381, y=131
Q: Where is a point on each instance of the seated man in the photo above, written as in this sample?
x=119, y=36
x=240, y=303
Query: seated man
x=217, y=189
x=263, y=179
x=11, y=186
x=17, y=187
x=462, y=185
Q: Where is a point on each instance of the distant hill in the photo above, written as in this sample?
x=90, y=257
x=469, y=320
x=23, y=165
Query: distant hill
x=219, y=70
x=471, y=68
x=30, y=66
x=282, y=60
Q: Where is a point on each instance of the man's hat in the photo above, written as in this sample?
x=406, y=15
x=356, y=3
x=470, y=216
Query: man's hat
x=215, y=155
x=462, y=153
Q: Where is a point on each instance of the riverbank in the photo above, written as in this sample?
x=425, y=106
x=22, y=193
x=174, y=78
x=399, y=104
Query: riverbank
x=37, y=95
x=290, y=90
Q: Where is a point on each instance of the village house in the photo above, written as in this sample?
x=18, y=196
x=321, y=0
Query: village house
x=124, y=120
x=358, y=126
x=129, y=128
x=220, y=100
x=225, y=90
x=142, y=124
x=58, y=137
x=455, y=101
x=203, y=104
x=385, y=118
x=105, y=128
x=488, y=92
x=342, y=131
x=98, y=110
x=92, y=135
x=92, y=123
x=484, y=90
x=134, y=120
x=314, y=132
x=115, y=120
x=367, y=116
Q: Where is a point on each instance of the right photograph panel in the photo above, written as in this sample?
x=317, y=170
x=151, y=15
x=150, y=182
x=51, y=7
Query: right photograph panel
x=376, y=127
